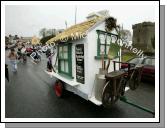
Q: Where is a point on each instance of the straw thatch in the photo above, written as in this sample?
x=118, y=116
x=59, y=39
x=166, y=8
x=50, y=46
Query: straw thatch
x=35, y=40
x=75, y=31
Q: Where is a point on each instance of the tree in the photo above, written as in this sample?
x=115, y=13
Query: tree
x=49, y=32
x=110, y=24
x=125, y=36
x=45, y=39
x=42, y=32
x=6, y=40
x=16, y=37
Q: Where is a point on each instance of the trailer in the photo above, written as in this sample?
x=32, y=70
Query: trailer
x=87, y=62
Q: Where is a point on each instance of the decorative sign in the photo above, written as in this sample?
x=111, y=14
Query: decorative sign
x=79, y=54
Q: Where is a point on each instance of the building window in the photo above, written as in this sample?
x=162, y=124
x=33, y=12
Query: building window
x=64, y=60
x=104, y=40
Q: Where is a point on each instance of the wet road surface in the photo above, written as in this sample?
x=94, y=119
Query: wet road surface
x=29, y=94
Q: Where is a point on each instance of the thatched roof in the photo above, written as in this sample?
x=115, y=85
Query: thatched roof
x=75, y=31
x=35, y=40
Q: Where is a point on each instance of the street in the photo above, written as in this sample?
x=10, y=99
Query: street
x=29, y=94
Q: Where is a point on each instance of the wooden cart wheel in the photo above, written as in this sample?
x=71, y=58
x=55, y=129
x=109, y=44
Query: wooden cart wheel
x=114, y=88
x=108, y=96
x=135, y=78
x=58, y=88
x=123, y=85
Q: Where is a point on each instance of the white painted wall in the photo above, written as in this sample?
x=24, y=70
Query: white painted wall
x=82, y=87
x=91, y=64
x=95, y=64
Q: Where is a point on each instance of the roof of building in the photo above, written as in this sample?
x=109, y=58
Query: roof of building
x=75, y=30
x=143, y=24
x=35, y=40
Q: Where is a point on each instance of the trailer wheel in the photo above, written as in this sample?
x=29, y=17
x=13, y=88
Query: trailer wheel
x=108, y=97
x=58, y=88
x=135, y=78
x=112, y=92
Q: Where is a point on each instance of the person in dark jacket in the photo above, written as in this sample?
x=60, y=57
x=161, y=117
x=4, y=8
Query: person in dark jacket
x=49, y=63
x=6, y=72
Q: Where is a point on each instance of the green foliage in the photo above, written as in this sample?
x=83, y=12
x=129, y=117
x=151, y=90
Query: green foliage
x=110, y=23
x=127, y=57
x=149, y=53
x=42, y=32
x=45, y=39
x=113, y=50
x=6, y=39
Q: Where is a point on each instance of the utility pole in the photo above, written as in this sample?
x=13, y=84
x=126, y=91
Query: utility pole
x=119, y=45
x=75, y=14
x=66, y=24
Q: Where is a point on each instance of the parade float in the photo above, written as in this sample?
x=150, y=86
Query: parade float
x=87, y=62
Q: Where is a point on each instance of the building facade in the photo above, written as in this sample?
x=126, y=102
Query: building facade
x=143, y=33
x=26, y=39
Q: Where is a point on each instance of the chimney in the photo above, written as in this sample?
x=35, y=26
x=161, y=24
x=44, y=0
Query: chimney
x=102, y=13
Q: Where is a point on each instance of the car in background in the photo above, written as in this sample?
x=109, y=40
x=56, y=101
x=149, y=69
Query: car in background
x=149, y=68
x=133, y=61
x=29, y=51
x=148, y=72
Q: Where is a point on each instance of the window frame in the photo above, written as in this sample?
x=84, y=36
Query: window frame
x=100, y=32
x=68, y=59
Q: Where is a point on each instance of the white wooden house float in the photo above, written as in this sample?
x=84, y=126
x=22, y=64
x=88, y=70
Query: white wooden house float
x=78, y=58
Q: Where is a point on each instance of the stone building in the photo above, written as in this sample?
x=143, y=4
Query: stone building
x=25, y=39
x=143, y=33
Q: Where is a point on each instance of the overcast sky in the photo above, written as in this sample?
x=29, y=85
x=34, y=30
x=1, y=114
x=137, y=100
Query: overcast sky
x=27, y=20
